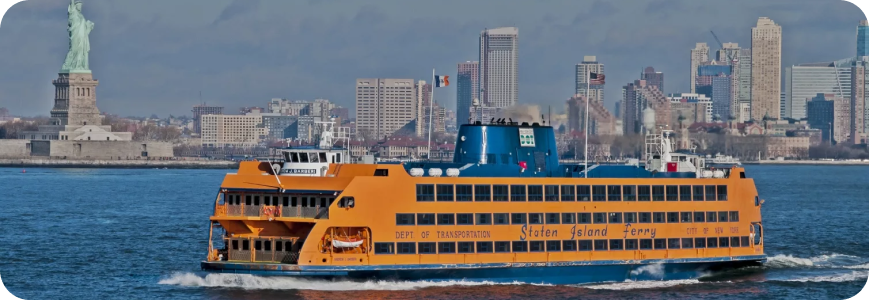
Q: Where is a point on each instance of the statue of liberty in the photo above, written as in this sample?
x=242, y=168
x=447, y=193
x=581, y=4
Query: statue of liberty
x=79, y=45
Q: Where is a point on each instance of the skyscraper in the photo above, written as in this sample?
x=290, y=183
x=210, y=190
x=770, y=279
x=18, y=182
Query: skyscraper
x=863, y=38
x=860, y=101
x=499, y=67
x=831, y=114
x=804, y=81
x=383, y=105
x=423, y=107
x=699, y=55
x=636, y=97
x=467, y=89
x=765, y=69
x=653, y=78
x=589, y=64
x=715, y=81
x=743, y=90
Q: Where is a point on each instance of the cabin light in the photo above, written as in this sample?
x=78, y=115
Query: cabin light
x=463, y=138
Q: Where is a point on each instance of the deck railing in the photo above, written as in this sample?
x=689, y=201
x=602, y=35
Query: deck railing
x=264, y=211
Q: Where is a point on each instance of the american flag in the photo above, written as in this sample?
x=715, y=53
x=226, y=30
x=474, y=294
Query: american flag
x=596, y=79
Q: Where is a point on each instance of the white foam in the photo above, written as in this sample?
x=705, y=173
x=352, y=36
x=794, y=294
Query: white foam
x=820, y=261
x=859, y=267
x=246, y=281
x=654, y=270
x=633, y=285
x=787, y=261
x=846, y=277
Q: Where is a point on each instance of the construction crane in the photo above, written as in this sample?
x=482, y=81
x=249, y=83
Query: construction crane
x=728, y=53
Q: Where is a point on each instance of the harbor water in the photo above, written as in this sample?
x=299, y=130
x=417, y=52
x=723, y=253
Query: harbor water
x=141, y=233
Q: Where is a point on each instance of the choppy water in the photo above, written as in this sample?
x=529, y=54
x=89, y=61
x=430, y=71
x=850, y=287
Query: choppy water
x=113, y=233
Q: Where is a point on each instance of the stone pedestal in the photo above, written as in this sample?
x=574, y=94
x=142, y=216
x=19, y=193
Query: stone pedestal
x=75, y=100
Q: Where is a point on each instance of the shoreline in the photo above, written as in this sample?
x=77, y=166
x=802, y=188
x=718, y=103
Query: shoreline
x=118, y=164
x=808, y=162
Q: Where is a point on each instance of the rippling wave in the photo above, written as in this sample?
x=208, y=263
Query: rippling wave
x=834, y=260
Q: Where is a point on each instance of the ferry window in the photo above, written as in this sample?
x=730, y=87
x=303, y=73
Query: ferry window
x=698, y=193
x=248, y=200
x=712, y=242
x=288, y=246
x=551, y=193
x=645, y=217
x=427, y=248
x=598, y=193
x=303, y=157
x=722, y=193
x=629, y=192
x=464, y=192
x=687, y=243
x=553, y=218
x=646, y=244
x=535, y=193
x=535, y=218
x=585, y=245
x=659, y=217
x=518, y=218
x=657, y=193
x=446, y=219
x=684, y=193
x=425, y=219
x=744, y=242
x=384, y=248
x=660, y=244
x=294, y=201
x=381, y=172
x=287, y=201
x=568, y=218
x=756, y=201
x=630, y=217
x=631, y=244
x=537, y=246
x=404, y=219
x=583, y=218
x=323, y=157
x=482, y=192
x=583, y=193
x=644, y=193
x=724, y=242
x=424, y=192
x=500, y=193
x=722, y=216
x=614, y=193
x=734, y=242
x=314, y=158
x=445, y=192
x=615, y=218
x=484, y=219
x=245, y=245
x=673, y=243
x=466, y=247
x=502, y=246
x=491, y=159
x=255, y=200
x=484, y=247
x=600, y=245
x=711, y=216
x=672, y=217
x=446, y=247
x=279, y=246
x=294, y=157
x=600, y=218
x=258, y=245
x=568, y=193
x=568, y=245
x=406, y=248
x=700, y=243
x=267, y=200
x=672, y=193
x=710, y=193
x=741, y=174
x=520, y=246
x=267, y=245
x=517, y=193
x=734, y=216
x=502, y=219
x=323, y=202
x=686, y=217
x=699, y=217
x=234, y=244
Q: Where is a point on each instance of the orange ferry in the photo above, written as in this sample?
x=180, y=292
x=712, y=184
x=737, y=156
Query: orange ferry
x=504, y=210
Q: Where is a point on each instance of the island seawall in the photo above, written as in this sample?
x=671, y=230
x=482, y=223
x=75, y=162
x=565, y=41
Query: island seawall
x=132, y=164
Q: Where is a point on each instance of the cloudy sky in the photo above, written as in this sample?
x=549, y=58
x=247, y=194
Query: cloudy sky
x=155, y=56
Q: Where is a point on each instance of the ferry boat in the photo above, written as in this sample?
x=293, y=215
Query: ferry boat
x=505, y=210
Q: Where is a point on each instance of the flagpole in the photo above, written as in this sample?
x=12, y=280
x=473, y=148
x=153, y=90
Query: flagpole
x=587, y=101
x=430, y=110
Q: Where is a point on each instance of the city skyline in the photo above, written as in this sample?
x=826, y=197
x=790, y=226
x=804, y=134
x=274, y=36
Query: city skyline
x=163, y=74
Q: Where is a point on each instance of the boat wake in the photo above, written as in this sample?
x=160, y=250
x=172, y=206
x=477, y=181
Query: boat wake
x=634, y=285
x=781, y=261
x=245, y=281
x=844, y=277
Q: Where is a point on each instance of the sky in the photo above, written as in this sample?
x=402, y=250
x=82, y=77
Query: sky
x=156, y=56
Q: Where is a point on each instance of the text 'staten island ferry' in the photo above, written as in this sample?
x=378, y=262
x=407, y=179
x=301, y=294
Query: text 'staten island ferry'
x=504, y=210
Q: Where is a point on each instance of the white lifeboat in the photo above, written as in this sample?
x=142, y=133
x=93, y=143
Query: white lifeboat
x=346, y=244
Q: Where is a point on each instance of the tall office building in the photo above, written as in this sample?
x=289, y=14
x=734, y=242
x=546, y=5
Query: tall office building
x=805, y=81
x=653, y=78
x=384, y=105
x=728, y=53
x=699, y=55
x=499, y=67
x=715, y=80
x=765, y=69
x=863, y=38
x=201, y=110
x=588, y=65
x=832, y=115
x=467, y=89
x=860, y=101
x=636, y=97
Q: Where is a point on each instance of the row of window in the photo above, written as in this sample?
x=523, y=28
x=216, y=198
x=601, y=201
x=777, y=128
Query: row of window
x=235, y=199
x=261, y=245
x=560, y=245
x=565, y=218
x=503, y=192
